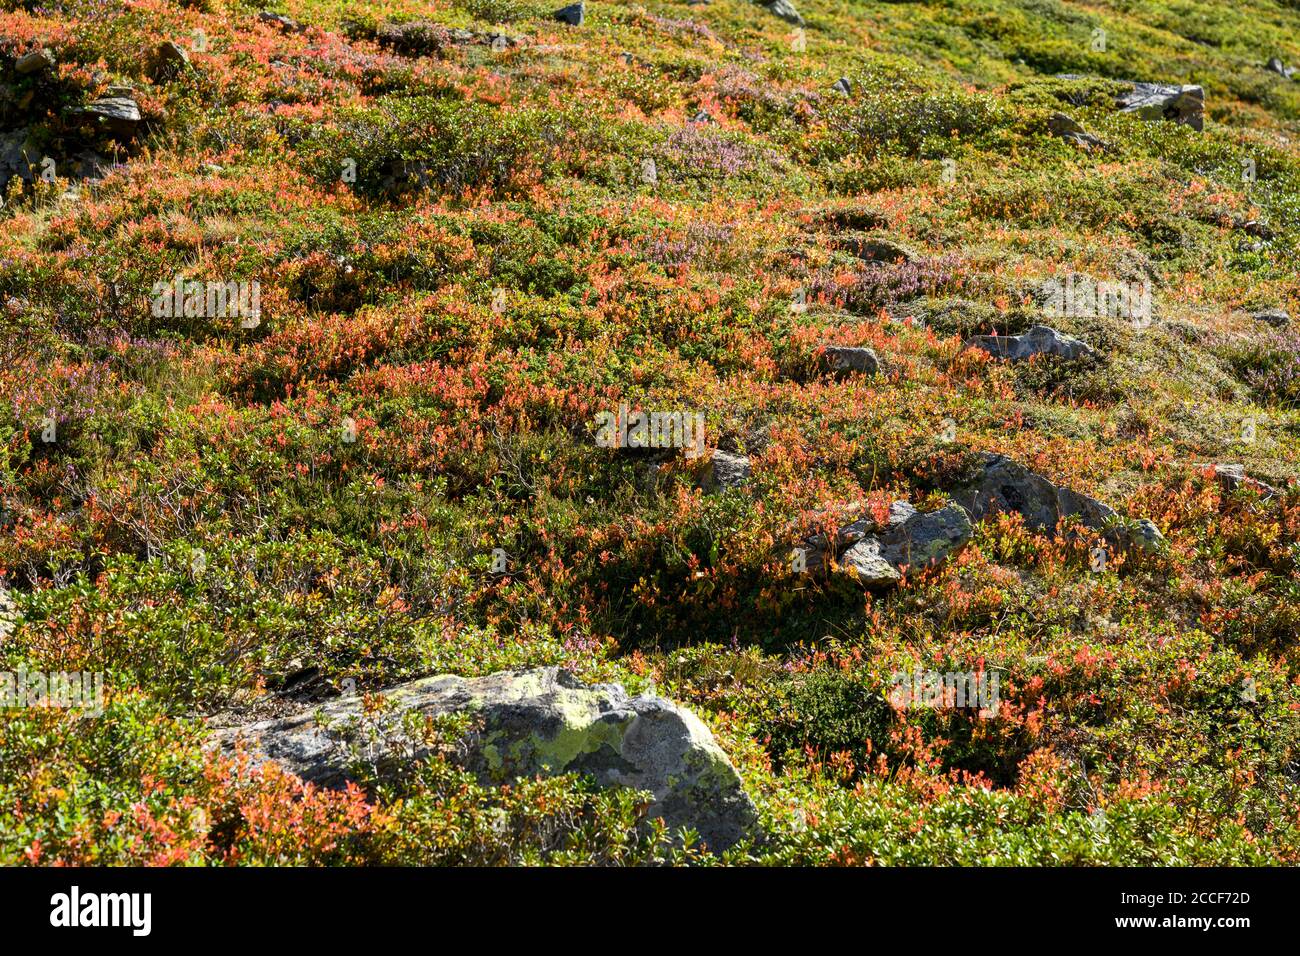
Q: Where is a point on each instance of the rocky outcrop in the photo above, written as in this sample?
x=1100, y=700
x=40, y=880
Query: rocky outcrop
x=875, y=554
x=119, y=115
x=1154, y=101
x=543, y=721
x=1040, y=340
x=1002, y=485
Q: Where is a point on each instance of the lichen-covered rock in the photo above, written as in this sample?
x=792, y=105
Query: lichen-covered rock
x=1002, y=485
x=542, y=721
x=843, y=359
x=876, y=554
x=1153, y=101
x=1143, y=535
x=1040, y=340
x=726, y=470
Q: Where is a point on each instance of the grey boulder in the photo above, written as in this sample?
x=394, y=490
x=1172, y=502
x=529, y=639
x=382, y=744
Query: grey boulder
x=1275, y=65
x=875, y=554
x=118, y=114
x=1002, y=485
x=1278, y=318
x=1040, y=340
x=1154, y=101
x=844, y=359
x=169, y=60
x=726, y=470
x=785, y=10
x=573, y=14
x=527, y=723
x=287, y=24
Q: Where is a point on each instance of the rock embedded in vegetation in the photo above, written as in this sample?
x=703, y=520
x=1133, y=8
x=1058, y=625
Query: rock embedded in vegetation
x=37, y=61
x=1072, y=131
x=168, y=61
x=8, y=615
x=18, y=156
x=1253, y=227
x=842, y=85
x=288, y=24
x=573, y=14
x=1143, y=536
x=1275, y=65
x=843, y=359
x=542, y=721
x=120, y=115
x=875, y=554
x=415, y=38
x=726, y=470
x=853, y=217
x=784, y=9
x=1040, y=340
x=1231, y=477
x=1001, y=485
x=1154, y=101
x=870, y=248
x=1278, y=318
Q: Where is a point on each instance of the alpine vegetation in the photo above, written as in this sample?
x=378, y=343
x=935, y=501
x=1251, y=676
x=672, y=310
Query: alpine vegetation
x=648, y=433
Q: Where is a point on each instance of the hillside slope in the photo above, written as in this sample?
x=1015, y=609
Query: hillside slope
x=436, y=242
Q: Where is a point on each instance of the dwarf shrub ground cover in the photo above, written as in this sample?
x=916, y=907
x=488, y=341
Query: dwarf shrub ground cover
x=466, y=250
